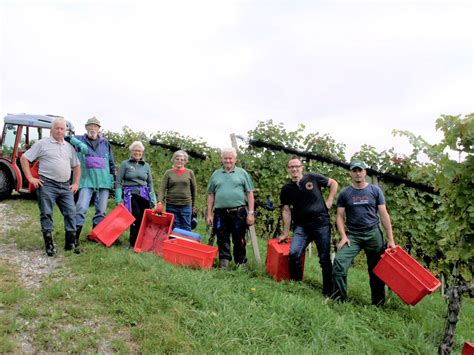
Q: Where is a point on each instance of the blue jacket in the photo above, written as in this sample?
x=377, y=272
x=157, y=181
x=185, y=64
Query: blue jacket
x=97, y=165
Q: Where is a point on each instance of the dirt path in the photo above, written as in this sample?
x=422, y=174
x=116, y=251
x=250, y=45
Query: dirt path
x=33, y=268
x=32, y=265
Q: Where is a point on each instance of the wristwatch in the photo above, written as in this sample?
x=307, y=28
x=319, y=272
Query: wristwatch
x=250, y=213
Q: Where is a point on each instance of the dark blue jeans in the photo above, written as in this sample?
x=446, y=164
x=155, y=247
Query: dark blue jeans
x=56, y=192
x=100, y=204
x=182, y=216
x=302, y=237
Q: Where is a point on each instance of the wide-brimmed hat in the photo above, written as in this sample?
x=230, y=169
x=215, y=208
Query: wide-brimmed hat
x=93, y=120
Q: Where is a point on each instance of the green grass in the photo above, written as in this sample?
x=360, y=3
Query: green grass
x=11, y=294
x=137, y=302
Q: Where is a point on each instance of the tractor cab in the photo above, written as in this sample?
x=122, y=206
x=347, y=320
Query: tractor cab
x=20, y=132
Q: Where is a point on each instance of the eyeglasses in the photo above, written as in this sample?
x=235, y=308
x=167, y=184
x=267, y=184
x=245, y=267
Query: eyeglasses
x=294, y=166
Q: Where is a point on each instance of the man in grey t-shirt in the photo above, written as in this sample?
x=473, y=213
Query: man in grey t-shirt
x=56, y=159
x=363, y=207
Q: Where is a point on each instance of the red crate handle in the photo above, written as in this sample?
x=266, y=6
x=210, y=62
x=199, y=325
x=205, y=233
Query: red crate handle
x=284, y=241
x=391, y=251
x=158, y=208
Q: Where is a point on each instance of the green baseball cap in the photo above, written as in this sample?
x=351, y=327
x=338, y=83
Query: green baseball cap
x=358, y=164
x=93, y=120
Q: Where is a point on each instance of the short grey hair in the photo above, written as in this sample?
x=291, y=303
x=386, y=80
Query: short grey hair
x=229, y=150
x=137, y=144
x=181, y=153
x=57, y=121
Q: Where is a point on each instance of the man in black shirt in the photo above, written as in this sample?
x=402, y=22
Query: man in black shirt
x=303, y=202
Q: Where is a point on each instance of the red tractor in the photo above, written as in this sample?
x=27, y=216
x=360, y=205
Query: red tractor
x=20, y=132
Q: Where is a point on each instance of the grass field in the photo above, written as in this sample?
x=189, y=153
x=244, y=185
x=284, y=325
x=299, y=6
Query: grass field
x=114, y=300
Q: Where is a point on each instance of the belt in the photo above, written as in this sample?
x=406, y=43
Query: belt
x=42, y=177
x=230, y=210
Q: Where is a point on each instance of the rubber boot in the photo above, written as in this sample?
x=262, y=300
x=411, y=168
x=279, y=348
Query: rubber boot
x=223, y=264
x=77, y=240
x=69, y=240
x=48, y=243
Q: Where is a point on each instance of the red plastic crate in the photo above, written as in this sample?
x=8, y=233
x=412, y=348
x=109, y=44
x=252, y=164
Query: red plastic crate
x=277, y=259
x=405, y=276
x=188, y=253
x=154, y=230
x=468, y=348
x=112, y=226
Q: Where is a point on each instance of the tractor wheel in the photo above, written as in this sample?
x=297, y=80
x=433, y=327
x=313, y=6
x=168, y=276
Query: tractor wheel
x=6, y=184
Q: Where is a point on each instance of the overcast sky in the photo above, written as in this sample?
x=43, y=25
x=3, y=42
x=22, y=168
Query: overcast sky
x=353, y=69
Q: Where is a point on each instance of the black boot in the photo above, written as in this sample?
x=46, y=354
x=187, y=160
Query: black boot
x=48, y=243
x=69, y=240
x=132, y=240
x=223, y=264
x=328, y=288
x=77, y=240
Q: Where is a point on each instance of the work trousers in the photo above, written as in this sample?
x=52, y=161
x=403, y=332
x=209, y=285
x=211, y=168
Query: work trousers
x=231, y=222
x=372, y=243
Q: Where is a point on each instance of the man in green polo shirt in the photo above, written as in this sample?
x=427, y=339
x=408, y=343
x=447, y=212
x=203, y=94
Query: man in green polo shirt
x=229, y=190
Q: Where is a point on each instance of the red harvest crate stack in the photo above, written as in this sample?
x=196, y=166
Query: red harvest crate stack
x=277, y=260
x=405, y=276
x=112, y=226
x=154, y=230
x=189, y=253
